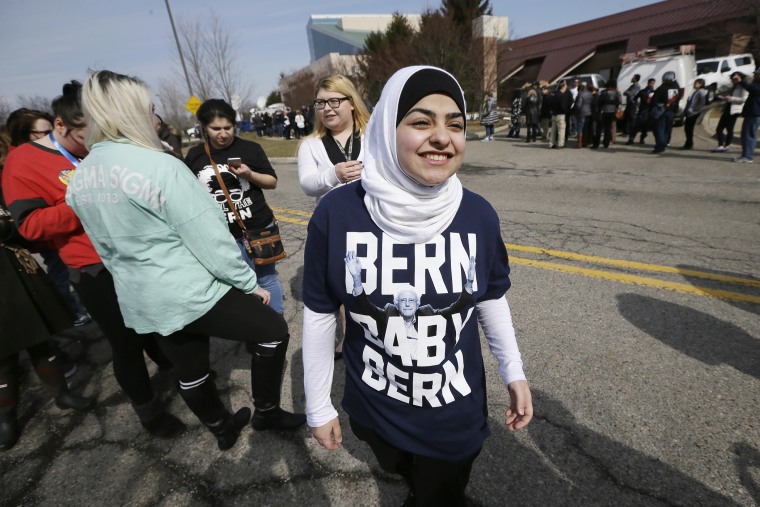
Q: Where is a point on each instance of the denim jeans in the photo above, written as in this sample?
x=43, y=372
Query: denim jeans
x=662, y=130
x=749, y=136
x=267, y=278
x=59, y=275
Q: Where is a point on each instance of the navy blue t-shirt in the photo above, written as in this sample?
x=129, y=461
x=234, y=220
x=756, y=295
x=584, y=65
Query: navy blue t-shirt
x=420, y=385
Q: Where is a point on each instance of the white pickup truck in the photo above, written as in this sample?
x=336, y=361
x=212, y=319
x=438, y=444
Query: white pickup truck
x=717, y=71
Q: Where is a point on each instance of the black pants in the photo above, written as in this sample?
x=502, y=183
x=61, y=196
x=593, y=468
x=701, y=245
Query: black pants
x=607, y=120
x=238, y=317
x=726, y=124
x=630, y=118
x=59, y=275
x=641, y=124
x=596, y=130
x=688, y=129
x=433, y=482
x=98, y=295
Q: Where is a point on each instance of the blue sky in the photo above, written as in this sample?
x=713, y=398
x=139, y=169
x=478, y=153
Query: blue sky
x=48, y=42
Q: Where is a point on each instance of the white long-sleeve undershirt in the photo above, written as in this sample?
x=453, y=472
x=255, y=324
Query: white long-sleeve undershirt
x=494, y=317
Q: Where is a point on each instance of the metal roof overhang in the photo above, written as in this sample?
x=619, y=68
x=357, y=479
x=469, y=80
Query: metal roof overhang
x=515, y=71
x=574, y=66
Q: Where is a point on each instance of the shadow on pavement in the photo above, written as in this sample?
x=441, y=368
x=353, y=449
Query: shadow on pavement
x=696, y=334
x=748, y=458
x=565, y=463
x=701, y=282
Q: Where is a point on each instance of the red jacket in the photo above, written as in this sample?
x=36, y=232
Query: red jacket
x=34, y=182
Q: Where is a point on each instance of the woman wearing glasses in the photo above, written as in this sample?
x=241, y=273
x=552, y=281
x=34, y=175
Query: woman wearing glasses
x=29, y=125
x=333, y=154
x=26, y=125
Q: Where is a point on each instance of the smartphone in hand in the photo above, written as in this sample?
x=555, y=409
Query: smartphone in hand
x=234, y=162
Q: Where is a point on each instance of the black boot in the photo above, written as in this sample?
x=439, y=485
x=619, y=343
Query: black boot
x=8, y=428
x=228, y=429
x=8, y=401
x=203, y=400
x=267, y=366
x=48, y=366
x=276, y=419
x=66, y=400
x=154, y=418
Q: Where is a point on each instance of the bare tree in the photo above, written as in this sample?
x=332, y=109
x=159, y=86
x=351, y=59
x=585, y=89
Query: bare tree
x=172, y=99
x=222, y=54
x=193, y=48
x=300, y=90
x=36, y=102
x=211, y=57
x=5, y=110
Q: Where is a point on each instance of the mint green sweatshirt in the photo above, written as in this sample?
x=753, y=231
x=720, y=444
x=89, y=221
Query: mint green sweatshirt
x=159, y=233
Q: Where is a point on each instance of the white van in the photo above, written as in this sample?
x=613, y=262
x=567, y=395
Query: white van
x=595, y=80
x=652, y=63
x=717, y=71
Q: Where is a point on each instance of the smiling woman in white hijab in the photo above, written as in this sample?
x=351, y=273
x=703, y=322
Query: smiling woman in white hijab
x=417, y=261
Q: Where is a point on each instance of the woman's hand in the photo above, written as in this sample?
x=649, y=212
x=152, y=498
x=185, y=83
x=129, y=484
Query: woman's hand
x=349, y=171
x=242, y=171
x=263, y=294
x=264, y=181
x=520, y=411
x=329, y=435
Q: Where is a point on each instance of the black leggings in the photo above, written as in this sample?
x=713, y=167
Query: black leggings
x=98, y=295
x=432, y=481
x=238, y=317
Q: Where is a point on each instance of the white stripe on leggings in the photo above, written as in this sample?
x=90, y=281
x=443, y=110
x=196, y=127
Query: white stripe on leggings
x=195, y=383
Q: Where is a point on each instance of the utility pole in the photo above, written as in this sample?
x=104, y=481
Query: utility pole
x=179, y=48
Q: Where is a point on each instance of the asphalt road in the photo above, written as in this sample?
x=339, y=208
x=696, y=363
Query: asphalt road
x=636, y=299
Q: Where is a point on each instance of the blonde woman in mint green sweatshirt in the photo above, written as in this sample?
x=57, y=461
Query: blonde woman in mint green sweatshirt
x=176, y=268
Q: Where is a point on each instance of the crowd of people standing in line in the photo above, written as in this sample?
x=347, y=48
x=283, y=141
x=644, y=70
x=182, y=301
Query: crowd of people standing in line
x=283, y=123
x=593, y=115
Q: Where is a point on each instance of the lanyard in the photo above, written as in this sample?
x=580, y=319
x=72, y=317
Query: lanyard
x=350, y=153
x=347, y=156
x=64, y=151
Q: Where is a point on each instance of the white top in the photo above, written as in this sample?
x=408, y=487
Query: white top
x=316, y=172
x=737, y=98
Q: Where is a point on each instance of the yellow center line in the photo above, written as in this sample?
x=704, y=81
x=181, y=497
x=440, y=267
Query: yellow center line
x=281, y=218
x=634, y=265
x=606, y=275
x=637, y=280
x=295, y=212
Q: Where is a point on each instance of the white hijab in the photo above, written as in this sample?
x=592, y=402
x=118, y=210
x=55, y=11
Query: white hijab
x=405, y=210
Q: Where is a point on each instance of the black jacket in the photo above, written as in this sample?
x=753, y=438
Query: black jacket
x=562, y=103
x=668, y=94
